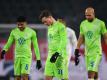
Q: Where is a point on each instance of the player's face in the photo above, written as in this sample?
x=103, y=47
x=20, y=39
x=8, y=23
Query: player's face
x=47, y=21
x=89, y=16
x=21, y=25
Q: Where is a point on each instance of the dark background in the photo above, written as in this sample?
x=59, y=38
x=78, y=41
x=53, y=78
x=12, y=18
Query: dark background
x=70, y=10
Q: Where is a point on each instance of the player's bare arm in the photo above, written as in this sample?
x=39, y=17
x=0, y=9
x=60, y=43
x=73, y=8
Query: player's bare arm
x=80, y=41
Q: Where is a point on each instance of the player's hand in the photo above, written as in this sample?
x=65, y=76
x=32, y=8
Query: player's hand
x=76, y=56
x=38, y=64
x=77, y=61
x=54, y=57
x=2, y=54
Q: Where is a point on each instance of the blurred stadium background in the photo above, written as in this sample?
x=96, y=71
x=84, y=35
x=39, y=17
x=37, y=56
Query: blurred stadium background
x=72, y=11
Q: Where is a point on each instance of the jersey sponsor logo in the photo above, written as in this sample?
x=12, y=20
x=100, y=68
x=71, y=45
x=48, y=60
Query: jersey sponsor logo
x=89, y=34
x=21, y=41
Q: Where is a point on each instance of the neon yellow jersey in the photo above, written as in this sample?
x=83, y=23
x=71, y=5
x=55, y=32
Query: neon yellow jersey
x=57, y=39
x=92, y=33
x=23, y=41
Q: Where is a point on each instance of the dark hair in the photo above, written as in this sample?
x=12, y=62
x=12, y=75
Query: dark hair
x=45, y=13
x=21, y=19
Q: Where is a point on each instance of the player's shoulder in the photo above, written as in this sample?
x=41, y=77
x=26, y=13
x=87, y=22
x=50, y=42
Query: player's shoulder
x=84, y=21
x=60, y=23
x=30, y=29
x=99, y=20
x=14, y=29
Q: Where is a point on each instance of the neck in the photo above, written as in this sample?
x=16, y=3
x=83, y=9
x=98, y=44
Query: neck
x=91, y=20
x=53, y=20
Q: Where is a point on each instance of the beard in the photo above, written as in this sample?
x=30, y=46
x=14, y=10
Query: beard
x=21, y=28
x=90, y=20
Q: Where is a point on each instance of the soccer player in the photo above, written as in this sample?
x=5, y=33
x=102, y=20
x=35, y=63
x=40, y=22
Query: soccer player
x=22, y=35
x=90, y=34
x=56, y=63
x=71, y=40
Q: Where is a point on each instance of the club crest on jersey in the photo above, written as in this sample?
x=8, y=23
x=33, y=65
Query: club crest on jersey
x=26, y=67
x=21, y=41
x=89, y=34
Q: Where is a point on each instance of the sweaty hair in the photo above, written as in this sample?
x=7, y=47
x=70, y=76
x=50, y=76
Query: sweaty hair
x=21, y=19
x=45, y=13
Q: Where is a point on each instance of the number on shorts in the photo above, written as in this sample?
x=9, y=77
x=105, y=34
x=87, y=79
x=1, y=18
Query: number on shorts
x=60, y=71
x=26, y=67
x=92, y=63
